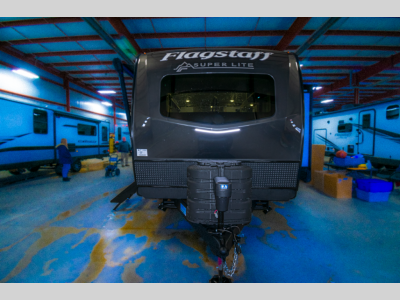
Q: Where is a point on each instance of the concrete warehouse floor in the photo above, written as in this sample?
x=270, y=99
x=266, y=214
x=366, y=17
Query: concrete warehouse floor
x=54, y=231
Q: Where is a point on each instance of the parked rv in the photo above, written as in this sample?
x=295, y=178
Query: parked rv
x=29, y=135
x=216, y=134
x=371, y=129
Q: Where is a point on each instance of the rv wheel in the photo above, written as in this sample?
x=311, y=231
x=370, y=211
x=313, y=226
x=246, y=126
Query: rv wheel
x=390, y=167
x=59, y=169
x=76, y=166
x=34, y=169
x=117, y=172
x=377, y=166
x=17, y=171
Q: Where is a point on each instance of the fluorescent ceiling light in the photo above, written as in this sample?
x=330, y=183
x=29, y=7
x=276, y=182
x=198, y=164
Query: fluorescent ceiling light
x=107, y=92
x=217, y=131
x=106, y=103
x=326, y=101
x=25, y=73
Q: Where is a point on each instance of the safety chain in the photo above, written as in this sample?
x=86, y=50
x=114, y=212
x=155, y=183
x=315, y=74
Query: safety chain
x=234, y=263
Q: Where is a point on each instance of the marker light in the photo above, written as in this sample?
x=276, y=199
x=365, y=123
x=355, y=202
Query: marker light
x=107, y=92
x=106, y=103
x=217, y=132
x=326, y=101
x=25, y=73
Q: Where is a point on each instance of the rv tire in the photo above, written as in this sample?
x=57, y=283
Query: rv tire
x=76, y=166
x=59, y=169
x=34, y=169
x=17, y=171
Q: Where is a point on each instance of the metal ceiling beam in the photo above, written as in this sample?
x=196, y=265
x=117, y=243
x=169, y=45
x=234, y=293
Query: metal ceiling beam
x=341, y=58
x=365, y=73
x=201, y=35
x=316, y=35
x=62, y=39
x=83, y=63
x=103, y=78
x=43, y=21
x=28, y=58
x=107, y=38
x=340, y=74
x=291, y=33
x=110, y=84
x=92, y=72
x=333, y=47
x=379, y=97
x=318, y=47
x=67, y=53
x=120, y=27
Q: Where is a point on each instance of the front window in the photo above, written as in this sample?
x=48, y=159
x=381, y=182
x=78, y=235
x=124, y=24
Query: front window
x=84, y=129
x=40, y=121
x=217, y=98
x=392, y=112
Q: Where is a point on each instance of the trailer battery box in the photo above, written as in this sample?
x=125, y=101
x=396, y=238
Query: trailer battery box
x=201, y=201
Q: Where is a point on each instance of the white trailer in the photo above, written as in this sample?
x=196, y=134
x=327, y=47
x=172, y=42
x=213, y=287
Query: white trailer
x=372, y=130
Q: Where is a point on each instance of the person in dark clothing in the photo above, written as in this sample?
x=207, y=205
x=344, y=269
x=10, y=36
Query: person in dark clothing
x=65, y=158
x=124, y=148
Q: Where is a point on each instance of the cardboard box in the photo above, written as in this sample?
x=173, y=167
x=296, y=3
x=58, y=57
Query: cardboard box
x=318, y=181
x=337, y=185
x=317, y=159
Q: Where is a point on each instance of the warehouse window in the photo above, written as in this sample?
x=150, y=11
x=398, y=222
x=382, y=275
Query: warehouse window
x=345, y=127
x=366, y=121
x=392, y=112
x=84, y=129
x=40, y=121
x=104, y=134
x=218, y=98
x=119, y=133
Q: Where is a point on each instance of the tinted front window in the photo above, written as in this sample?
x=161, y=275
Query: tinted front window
x=392, y=112
x=345, y=127
x=39, y=121
x=84, y=129
x=104, y=134
x=217, y=98
x=366, y=121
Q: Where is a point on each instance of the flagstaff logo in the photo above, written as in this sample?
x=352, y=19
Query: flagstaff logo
x=214, y=65
x=219, y=54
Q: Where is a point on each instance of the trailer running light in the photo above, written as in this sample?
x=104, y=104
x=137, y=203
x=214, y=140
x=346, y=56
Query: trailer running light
x=326, y=101
x=25, y=73
x=106, y=103
x=217, y=132
x=107, y=92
